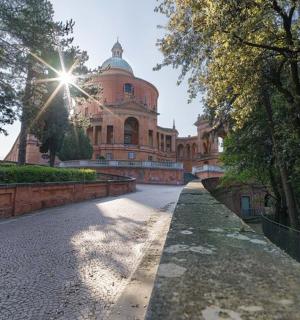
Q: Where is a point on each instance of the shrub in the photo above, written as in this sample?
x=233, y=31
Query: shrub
x=31, y=174
x=76, y=145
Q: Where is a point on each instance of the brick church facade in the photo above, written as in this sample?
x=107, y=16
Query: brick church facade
x=125, y=127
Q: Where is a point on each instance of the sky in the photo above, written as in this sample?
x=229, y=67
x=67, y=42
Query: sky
x=98, y=23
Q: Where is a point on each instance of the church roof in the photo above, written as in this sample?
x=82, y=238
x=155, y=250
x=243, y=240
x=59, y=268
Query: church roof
x=117, y=45
x=117, y=61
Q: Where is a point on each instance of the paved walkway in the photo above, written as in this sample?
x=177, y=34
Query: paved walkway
x=215, y=267
x=73, y=262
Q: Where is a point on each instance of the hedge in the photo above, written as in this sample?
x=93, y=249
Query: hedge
x=7, y=164
x=32, y=174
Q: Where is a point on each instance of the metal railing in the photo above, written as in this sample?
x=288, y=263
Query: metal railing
x=120, y=164
x=286, y=238
x=207, y=168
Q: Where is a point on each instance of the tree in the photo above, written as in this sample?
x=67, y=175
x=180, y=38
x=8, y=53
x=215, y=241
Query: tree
x=8, y=106
x=9, y=88
x=202, y=35
x=8, y=92
x=249, y=156
x=54, y=125
x=29, y=28
x=241, y=54
x=54, y=118
x=76, y=145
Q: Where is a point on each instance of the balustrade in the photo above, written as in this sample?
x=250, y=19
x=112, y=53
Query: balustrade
x=120, y=163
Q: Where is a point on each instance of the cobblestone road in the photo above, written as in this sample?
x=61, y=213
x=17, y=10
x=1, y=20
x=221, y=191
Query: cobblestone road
x=72, y=262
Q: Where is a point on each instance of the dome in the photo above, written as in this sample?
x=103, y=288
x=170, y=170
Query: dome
x=116, y=62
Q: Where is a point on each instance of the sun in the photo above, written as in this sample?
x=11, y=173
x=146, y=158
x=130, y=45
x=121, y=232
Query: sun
x=65, y=77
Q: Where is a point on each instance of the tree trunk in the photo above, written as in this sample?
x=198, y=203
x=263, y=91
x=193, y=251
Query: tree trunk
x=287, y=20
x=22, y=141
x=25, y=118
x=277, y=194
x=52, y=158
x=287, y=188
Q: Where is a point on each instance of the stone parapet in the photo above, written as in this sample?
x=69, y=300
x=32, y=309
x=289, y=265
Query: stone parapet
x=214, y=266
x=148, y=172
x=18, y=199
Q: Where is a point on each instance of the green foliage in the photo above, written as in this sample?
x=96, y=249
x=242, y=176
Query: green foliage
x=29, y=35
x=25, y=26
x=27, y=32
x=295, y=179
x=8, y=102
x=52, y=123
x=244, y=55
x=76, y=145
x=224, y=47
x=51, y=126
x=248, y=151
x=234, y=176
x=32, y=174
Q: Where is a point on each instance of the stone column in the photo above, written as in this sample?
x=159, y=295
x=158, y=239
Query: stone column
x=104, y=132
x=94, y=135
x=121, y=133
x=173, y=143
x=165, y=143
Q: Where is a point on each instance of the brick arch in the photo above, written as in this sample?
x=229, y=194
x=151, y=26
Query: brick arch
x=207, y=143
x=180, y=151
x=131, y=131
x=194, y=150
x=187, y=151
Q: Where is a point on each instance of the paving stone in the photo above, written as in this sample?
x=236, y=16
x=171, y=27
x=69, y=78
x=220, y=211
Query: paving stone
x=221, y=269
x=71, y=262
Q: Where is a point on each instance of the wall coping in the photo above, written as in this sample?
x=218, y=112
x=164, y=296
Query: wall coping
x=60, y=183
x=207, y=168
x=215, y=266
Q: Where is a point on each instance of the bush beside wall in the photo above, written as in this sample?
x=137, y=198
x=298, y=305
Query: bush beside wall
x=32, y=174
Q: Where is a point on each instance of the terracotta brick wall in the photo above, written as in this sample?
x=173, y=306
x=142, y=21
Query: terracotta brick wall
x=148, y=175
x=231, y=196
x=23, y=198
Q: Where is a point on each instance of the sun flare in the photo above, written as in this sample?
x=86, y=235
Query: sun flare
x=65, y=77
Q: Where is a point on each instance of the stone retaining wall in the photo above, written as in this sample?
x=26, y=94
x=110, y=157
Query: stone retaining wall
x=147, y=175
x=214, y=267
x=231, y=196
x=17, y=199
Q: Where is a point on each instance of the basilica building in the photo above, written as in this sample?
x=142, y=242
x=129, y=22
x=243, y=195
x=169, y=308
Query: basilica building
x=123, y=125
